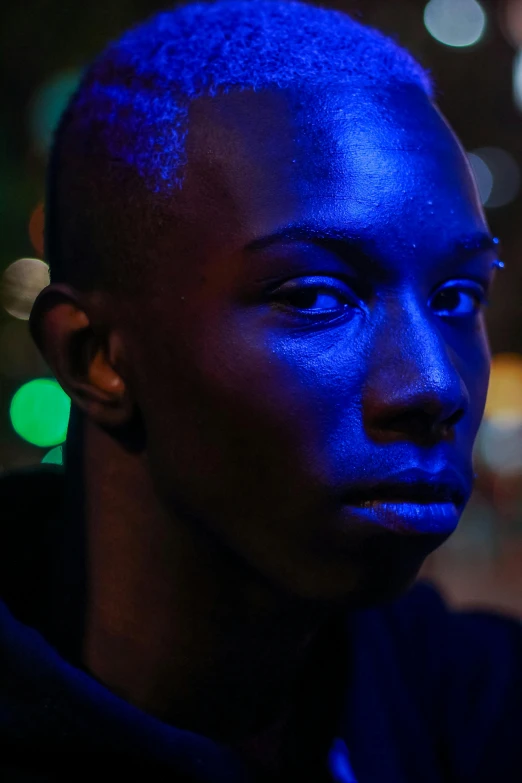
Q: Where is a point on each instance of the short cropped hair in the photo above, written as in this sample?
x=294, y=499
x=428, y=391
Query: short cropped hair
x=120, y=143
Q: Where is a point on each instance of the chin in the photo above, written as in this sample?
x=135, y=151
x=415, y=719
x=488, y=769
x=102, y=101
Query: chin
x=360, y=582
x=383, y=588
x=361, y=593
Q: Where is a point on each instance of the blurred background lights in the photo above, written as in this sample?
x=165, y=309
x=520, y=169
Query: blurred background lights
x=455, y=22
x=497, y=174
x=504, y=401
x=511, y=21
x=48, y=105
x=499, y=443
x=483, y=176
x=36, y=229
x=19, y=356
x=517, y=79
x=39, y=412
x=500, y=446
x=21, y=283
x=54, y=457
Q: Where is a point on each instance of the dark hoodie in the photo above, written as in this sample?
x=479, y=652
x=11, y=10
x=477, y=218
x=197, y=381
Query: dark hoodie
x=408, y=693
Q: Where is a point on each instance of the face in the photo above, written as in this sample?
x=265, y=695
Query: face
x=319, y=362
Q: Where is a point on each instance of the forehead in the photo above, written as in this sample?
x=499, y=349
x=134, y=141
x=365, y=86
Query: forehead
x=381, y=163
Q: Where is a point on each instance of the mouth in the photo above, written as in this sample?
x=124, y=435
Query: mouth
x=439, y=519
x=411, y=502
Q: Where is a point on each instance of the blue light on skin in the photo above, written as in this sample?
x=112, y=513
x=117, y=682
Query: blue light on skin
x=497, y=263
x=339, y=763
x=267, y=404
x=333, y=330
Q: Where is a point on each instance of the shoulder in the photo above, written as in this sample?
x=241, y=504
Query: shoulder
x=473, y=636
x=463, y=648
x=463, y=671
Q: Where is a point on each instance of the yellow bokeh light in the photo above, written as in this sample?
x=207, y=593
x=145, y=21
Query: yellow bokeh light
x=504, y=399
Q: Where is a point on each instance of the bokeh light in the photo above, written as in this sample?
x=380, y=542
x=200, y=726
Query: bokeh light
x=19, y=356
x=499, y=444
x=504, y=400
x=21, y=283
x=497, y=174
x=517, y=79
x=511, y=21
x=48, y=105
x=39, y=412
x=483, y=176
x=36, y=229
x=455, y=22
x=54, y=457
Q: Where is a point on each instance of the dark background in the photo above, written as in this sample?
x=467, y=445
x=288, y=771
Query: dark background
x=41, y=39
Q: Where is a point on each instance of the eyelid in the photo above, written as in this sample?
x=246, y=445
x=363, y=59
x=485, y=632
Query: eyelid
x=481, y=289
x=315, y=281
x=329, y=283
x=465, y=282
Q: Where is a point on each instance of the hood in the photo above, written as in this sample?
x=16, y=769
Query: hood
x=50, y=709
x=55, y=716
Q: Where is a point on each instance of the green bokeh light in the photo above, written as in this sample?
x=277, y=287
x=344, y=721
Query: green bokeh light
x=49, y=104
x=54, y=457
x=40, y=412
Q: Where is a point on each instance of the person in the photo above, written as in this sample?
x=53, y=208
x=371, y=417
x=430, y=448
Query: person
x=269, y=267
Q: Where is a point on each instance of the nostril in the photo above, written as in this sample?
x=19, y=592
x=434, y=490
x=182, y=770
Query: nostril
x=448, y=424
x=422, y=426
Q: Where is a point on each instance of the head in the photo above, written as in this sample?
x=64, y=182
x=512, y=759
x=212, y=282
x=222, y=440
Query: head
x=268, y=265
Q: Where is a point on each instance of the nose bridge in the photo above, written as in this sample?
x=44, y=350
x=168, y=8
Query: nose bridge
x=411, y=367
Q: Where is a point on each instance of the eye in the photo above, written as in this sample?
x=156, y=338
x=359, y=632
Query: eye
x=459, y=299
x=315, y=296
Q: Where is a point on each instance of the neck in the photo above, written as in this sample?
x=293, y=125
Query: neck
x=175, y=623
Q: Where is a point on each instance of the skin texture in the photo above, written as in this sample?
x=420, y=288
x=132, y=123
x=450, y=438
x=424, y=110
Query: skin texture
x=224, y=423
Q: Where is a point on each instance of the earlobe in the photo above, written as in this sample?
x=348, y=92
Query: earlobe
x=82, y=351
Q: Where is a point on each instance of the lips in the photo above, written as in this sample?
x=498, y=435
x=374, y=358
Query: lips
x=414, y=486
x=409, y=502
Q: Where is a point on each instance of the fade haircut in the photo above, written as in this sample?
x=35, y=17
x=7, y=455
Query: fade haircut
x=118, y=153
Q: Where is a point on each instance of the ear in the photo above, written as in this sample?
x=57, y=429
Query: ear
x=83, y=352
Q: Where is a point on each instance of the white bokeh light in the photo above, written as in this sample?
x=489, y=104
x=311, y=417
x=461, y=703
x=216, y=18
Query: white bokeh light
x=21, y=283
x=504, y=171
x=483, y=176
x=500, y=446
x=455, y=22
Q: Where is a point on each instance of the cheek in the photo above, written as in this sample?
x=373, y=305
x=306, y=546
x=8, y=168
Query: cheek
x=229, y=428
x=327, y=371
x=474, y=358
x=244, y=424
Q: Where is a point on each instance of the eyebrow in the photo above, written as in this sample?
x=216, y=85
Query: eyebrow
x=463, y=247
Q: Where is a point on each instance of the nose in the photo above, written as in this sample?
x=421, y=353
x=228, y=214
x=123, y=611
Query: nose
x=414, y=391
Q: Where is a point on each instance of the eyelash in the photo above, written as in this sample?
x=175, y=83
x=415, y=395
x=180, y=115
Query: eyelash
x=478, y=290
x=299, y=286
